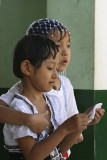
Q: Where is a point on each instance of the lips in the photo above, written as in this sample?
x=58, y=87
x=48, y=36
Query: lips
x=64, y=62
x=52, y=83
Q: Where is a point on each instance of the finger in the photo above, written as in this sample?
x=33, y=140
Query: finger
x=100, y=112
x=84, y=119
x=89, y=109
x=83, y=115
x=97, y=115
x=85, y=123
x=83, y=127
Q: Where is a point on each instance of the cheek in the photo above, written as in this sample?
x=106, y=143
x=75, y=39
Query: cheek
x=69, y=54
x=60, y=50
x=45, y=75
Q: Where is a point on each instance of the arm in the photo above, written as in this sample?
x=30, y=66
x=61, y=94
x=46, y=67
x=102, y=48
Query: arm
x=8, y=115
x=37, y=122
x=71, y=128
x=73, y=137
x=80, y=139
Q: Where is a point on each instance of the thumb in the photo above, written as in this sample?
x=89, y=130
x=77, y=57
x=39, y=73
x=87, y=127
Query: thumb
x=88, y=110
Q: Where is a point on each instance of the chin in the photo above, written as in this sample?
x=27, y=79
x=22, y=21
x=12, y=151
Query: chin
x=62, y=69
x=47, y=90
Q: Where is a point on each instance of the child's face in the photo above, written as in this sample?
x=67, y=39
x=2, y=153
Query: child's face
x=64, y=49
x=44, y=78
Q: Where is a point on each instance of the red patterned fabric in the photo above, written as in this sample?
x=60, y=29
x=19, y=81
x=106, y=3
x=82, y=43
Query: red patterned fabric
x=66, y=155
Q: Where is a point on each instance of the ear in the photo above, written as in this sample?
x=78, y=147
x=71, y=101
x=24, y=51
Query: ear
x=26, y=67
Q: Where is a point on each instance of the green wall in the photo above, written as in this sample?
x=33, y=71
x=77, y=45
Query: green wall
x=15, y=17
x=101, y=129
x=78, y=15
x=85, y=149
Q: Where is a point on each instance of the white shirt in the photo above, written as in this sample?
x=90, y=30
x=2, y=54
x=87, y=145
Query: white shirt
x=9, y=96
x=13, y=132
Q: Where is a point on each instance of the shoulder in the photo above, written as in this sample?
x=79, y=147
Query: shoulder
x=16, y=88
x=8, y=97
x=21, y=104
x=65, y=81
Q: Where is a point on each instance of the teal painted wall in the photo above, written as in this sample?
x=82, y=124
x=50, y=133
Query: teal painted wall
x=78, y=16
x=15, y=17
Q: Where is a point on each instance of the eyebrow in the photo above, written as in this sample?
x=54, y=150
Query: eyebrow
x=62, y=39
x=51, y=62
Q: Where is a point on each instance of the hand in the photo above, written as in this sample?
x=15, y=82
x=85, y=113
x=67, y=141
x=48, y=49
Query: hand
x=38, y=122
x=98, y=115
x=76, y=123
x=80, y=139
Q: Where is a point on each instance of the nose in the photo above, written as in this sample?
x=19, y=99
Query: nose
x=63, y=51
x=55, y=74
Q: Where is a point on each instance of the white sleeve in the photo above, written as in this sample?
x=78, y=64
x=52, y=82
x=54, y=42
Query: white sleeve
x=8, y=97
x=62, y=116
x=71, y=102
x=19, y=131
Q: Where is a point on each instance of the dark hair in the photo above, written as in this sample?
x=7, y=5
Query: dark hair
x=34, y=48
x=45, y=26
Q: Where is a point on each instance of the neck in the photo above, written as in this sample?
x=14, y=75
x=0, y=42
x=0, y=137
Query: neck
x=30, y=92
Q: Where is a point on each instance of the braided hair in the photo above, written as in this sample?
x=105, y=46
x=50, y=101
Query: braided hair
x=46, y=26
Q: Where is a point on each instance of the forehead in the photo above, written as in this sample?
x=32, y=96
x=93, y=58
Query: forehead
x=51, y=60
x=57, y=36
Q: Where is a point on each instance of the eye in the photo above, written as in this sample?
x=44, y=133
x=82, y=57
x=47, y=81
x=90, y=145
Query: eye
x=68, y=46
x=58, y=46
x=50, y=68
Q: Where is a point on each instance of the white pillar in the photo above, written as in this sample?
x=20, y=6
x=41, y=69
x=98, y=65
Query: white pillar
x=100, y=79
